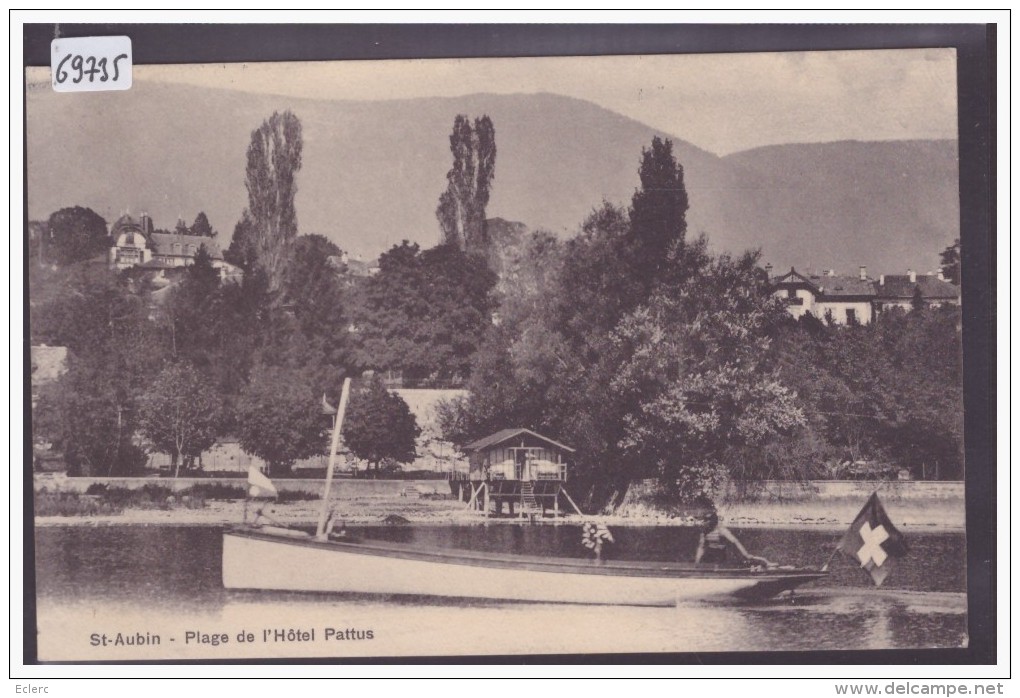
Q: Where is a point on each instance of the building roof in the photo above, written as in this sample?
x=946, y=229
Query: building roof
x=126, y=223
x=792, y=277
x=841, y=286
x=900, y=286
x=357, y=267
x=162, y=244
x=828, y=286
x=505, y=435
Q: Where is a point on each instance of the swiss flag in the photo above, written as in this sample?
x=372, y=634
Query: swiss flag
x=873, y=541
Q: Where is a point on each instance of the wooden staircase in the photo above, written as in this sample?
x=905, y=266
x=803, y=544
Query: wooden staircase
x=529, y=505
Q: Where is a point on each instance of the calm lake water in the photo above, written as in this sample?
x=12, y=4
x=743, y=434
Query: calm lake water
x=164, y=582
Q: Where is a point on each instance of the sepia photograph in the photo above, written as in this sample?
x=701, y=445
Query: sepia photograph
x=516, y=356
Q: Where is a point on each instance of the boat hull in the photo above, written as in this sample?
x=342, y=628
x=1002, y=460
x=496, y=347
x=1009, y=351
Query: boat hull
x=258, y=560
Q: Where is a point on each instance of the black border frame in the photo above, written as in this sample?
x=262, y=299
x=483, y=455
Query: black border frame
x=976, y=70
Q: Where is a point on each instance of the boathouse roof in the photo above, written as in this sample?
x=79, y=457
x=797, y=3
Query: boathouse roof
x=504, y=435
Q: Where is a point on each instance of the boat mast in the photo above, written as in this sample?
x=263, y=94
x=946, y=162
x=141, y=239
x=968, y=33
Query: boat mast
x=320, y=531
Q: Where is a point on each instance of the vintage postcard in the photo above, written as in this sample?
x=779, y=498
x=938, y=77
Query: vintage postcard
x=498, y=356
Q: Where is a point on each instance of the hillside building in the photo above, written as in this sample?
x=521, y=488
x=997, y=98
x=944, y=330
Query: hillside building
x=134, y=243
x=846, y=300
x=900, y=290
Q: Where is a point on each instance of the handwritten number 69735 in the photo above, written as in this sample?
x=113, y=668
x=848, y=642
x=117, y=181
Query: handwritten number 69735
x=95, y=67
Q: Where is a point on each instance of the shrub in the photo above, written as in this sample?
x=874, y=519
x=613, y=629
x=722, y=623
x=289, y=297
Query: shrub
x=73, y=504
x=216, y=490
x=297, y=496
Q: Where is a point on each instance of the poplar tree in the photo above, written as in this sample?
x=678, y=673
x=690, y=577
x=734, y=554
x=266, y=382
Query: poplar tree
x=461, y=209
x=274, y=158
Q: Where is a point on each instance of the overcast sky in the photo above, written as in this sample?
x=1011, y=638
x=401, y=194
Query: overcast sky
x=720, y=102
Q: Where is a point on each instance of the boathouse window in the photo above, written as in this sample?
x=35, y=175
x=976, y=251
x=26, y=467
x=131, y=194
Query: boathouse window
x=524, y=463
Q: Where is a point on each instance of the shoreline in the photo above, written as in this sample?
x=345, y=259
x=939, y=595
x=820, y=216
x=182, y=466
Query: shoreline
x=936, y=516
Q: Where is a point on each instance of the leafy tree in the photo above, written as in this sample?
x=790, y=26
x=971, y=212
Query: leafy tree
x=635, y=326
x=112, y=347
x=379, y=425
x=179, y=413
x=75, y=234
x=461, y=210
x=219, y=328
x=274, y=158
x=202, y=227
x=97, y=409
x=950, y=258
x=242, y=324
x=548, y=363
x=924, y=427
x=697, y=374
x=191, y=313
x=888, y=392
x=597, y=287
x=201, y=271
x=181, y=228
x=242, y=250
x=424, y=313
x=94, y=312
x=311, y=286
x=917, y=303
x=317, y=297
x=453, y=419
x=279, y=417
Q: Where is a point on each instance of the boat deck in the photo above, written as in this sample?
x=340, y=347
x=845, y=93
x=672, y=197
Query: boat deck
x=454, y=556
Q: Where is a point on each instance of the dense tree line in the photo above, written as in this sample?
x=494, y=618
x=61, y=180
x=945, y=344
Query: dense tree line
x=651, y=355
x=425, y=312
x=259, y=359
x=656, y=358
x=91, y=414
x=888, y=394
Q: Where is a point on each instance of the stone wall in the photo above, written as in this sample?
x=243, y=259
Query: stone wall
x=846, y=489
x=640, y=498
x=341, y=486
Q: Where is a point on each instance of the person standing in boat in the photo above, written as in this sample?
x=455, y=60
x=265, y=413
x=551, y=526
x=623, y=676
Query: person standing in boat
x=716, y=541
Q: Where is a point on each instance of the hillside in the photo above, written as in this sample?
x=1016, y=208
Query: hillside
x=887, y=205
x=373, y=171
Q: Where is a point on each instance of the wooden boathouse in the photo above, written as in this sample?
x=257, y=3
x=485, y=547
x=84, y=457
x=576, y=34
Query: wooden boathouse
x=519, y=469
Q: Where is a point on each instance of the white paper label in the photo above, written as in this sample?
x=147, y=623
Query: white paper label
x=91, y=63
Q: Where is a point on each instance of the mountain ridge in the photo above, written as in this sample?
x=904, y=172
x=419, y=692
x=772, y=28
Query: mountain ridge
x=373, y=172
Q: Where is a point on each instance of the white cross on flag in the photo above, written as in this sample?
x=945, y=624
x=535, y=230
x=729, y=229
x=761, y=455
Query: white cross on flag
x=873, y=541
